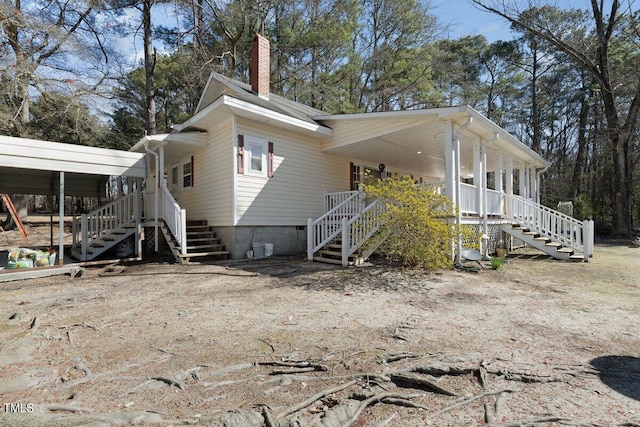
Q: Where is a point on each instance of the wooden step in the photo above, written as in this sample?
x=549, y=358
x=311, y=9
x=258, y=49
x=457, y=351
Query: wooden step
x=330, y=253
x=198, y=228
x=211, y=234
x=576, y=258
x=565, y=250
x=329, y=260
x=197, y=222
x=203, y=239
x=186, y=257
x=212, y=247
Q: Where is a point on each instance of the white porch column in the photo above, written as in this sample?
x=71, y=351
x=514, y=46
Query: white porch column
x=498, y=180
x=485, y=211
x=449, y=162
x=538, y=189
x=160, y=171
x=478, y=178
x=61, y=221
x=456, y=156
x=533, y=184
x=509, y=176
x=523, y=181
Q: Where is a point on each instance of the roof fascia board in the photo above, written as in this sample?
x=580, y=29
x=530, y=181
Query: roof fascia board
x=204, y=92
x=279, y=117
x=233, y=103
x=442, y=112
x=505, y=136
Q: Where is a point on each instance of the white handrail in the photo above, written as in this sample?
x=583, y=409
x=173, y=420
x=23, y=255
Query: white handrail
x=357, y=230
x=106, y=218
x=331, y=200
x=325, y=228
x=175, y=218
x=555, y=225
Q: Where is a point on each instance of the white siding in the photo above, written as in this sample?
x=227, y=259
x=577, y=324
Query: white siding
x=302, y=175
x=211, y=196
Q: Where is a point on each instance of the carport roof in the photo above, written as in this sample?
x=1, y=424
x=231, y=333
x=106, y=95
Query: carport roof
x=30, y=166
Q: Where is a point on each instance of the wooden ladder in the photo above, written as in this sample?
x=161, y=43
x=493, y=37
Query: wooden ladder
x=14, y=214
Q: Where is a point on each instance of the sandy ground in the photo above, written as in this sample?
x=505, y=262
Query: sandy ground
x=537, y=342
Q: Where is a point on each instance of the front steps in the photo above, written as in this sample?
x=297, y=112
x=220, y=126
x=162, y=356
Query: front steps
x=332, y=254
x=543, y=243
x=201, y=242
x=107, y=241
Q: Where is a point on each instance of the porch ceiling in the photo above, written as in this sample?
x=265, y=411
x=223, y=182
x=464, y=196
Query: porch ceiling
x=414, y=142
x=177, y=146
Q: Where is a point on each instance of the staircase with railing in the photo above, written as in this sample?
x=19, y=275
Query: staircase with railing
x=100, y=230
x=339, y=236
x=557, y=234
x=342, y=234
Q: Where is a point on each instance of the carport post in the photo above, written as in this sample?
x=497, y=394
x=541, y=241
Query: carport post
x=61, y=221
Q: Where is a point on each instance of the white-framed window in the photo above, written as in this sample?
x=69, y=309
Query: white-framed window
x=255, y=156
x=187, y=174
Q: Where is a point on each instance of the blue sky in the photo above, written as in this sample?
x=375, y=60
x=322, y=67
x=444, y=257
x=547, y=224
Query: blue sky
x=461, y=19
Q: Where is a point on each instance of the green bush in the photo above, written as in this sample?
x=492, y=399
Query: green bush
x=417, y=230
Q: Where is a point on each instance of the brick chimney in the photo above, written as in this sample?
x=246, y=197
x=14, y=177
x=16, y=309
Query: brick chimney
x=260, y=66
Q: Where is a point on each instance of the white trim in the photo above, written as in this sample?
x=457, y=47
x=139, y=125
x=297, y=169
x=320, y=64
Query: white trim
x=251, y=142
x=235, y=175
x=182, y=175
x=267, y=115
x=41, y=155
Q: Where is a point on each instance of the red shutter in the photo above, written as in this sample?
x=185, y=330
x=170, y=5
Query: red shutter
x=270, y=160
x=240, y=153
x=193, y=180
x=351, y=172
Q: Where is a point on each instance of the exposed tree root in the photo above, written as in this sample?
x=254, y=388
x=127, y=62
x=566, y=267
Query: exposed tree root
x=315, y=397
x=421, y=382
x=373, y=400
x=470, y=400
x=169, y=381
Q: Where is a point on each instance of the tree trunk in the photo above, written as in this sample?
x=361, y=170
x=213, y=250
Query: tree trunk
x=585, y=99
x=149, y=65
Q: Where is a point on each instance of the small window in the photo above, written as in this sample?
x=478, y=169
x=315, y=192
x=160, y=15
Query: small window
x=256, y=155
x=257, y=160
x=187, y=175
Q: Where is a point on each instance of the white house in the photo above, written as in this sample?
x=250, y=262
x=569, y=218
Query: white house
x=252, y=166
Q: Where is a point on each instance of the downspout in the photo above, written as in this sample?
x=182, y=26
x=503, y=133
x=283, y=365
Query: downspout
x=543, y=170
x=456, y=138
x=156, y=198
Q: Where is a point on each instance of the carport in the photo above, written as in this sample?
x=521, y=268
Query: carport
x=36, y=167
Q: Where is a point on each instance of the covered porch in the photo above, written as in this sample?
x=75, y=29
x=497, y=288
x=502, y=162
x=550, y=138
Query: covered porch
x=474, y=160
x=491, y=176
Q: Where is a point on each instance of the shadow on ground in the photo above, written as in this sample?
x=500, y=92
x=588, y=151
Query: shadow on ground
x=621, y=373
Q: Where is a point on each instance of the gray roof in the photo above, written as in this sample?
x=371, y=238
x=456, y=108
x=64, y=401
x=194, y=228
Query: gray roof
x=219, y=85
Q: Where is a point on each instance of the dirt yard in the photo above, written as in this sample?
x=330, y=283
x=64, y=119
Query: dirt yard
x=282, y=342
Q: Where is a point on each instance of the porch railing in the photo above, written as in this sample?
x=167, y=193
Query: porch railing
x=324, y=229
x=555, y=225
x=494, y=202
x=175, y=218
x=92, y=226
x=331, y=200
x=468, y=198
x=357, y=230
